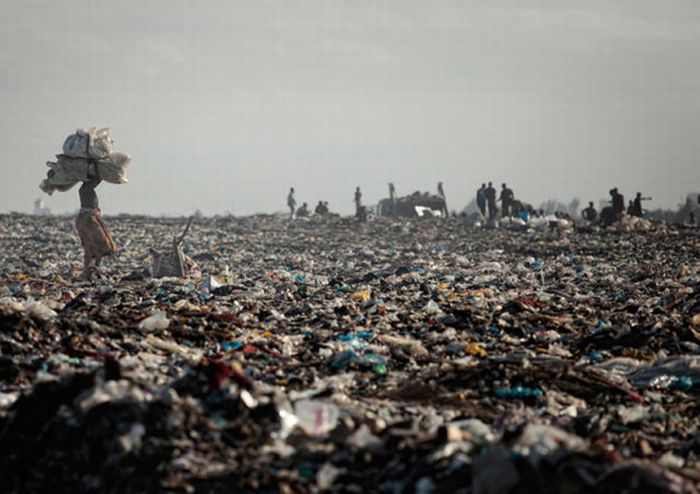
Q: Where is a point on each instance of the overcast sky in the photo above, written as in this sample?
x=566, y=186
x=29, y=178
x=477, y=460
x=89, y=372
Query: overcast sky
x=225, y=104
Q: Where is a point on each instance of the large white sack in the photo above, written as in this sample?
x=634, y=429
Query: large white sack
x=69, y=171
x=89, y=143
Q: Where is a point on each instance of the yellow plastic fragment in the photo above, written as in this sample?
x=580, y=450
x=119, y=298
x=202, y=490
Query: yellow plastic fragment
x=361, y=296
x=475, y=350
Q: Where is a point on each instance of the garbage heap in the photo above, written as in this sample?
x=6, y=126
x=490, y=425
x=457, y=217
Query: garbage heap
x=335, y=357
x=413, y=205
x=87, y=153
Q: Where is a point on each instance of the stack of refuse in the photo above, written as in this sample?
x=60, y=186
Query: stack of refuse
x=411, y=356
x=87, y=153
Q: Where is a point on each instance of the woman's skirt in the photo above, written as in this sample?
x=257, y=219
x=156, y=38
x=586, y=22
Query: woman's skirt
x=94, y=235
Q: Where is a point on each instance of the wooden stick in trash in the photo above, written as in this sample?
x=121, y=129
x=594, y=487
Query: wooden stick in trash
x=184, y=233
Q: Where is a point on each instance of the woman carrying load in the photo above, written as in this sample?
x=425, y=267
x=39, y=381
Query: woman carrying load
x=95, y=237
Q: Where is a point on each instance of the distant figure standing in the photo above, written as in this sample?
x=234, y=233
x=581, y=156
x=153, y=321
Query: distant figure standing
x=94, y=236
x=360, y=210
x=358, y=199
x=506, y=199
x=618, y=203
x=441, y=194
x=392, y=198
x=291, y=203
x=590, y=214
x=481, y=200
x=636, y=209
x=616, y=211
x=491, y=200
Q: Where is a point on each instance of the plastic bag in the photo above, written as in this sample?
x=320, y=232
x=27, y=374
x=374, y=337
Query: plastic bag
x=89, y=143
x=69, y=171
x=157, y=321
x=317, y=418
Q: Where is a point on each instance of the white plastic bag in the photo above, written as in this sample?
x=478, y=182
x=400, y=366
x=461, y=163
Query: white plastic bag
x=317, y=418
x=89, y=143
x=155, y=322
x=69, y=171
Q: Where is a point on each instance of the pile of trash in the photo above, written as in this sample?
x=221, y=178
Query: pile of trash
x=418, y=204
x=86, y=154
x=332, y=356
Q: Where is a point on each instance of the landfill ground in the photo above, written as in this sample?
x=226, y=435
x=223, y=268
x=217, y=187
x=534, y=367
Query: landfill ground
x=420, y=356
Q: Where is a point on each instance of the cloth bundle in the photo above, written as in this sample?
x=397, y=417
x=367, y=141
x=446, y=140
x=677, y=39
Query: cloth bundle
x=86, y=154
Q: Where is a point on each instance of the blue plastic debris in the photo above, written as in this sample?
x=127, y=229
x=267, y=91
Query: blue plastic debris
x=231, y=346
x=517, y=392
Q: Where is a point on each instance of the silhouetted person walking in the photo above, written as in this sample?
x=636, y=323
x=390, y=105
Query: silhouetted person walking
x=291, y=203
x=441, y=194
x=618, y=203
x=616, y=211
x=481, y=200
x=358, y=199
x=490, y=193
x=360, y=210
x=506, y=199
x=94, y=236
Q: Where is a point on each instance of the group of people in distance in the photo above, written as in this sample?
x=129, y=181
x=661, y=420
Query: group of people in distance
x=320, y=209
x=614, y=213
x=97, y=241
x=486, y=198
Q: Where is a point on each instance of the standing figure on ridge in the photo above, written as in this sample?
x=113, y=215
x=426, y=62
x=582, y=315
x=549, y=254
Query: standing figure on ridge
x=636, y=209
x=291, y=203
x=507, y=198
x=441, y=194
x=491, y=201
x=392, y=198
x=357, y=199
x=481, y=200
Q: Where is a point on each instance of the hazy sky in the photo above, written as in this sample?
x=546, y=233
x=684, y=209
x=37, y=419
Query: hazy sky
x=225, y=104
